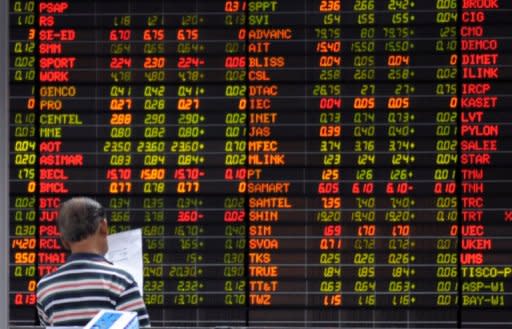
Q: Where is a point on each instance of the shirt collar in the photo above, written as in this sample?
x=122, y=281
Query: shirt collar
x=87, y=256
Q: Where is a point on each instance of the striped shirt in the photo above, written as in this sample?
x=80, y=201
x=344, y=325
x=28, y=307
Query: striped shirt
x=84, y=285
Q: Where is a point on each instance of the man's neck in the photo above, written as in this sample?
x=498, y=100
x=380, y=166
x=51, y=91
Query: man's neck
x=88, y=246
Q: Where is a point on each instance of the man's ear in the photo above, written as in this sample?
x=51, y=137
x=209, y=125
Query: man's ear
x=103, y=229
x=65, y=244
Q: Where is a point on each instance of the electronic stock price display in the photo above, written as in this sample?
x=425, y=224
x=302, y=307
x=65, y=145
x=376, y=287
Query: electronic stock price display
x=306, y=163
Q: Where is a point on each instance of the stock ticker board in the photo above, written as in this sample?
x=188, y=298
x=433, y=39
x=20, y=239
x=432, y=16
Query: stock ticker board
x=304, y=163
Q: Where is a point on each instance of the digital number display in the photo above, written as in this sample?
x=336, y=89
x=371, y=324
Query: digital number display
x=316, y=163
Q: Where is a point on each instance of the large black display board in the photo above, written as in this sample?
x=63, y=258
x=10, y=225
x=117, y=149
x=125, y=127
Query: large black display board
x=305, y=163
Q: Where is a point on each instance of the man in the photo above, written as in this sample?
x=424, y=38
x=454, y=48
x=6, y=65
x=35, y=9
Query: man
x=87, y=282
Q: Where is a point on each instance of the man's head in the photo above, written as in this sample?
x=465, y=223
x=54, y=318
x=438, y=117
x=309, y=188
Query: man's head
x=83, y=225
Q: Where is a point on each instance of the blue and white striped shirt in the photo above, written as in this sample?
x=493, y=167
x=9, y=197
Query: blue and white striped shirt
x=84, y=285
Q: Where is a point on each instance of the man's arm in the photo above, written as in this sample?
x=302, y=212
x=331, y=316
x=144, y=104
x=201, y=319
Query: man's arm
x=131, y=301
x=43, y=318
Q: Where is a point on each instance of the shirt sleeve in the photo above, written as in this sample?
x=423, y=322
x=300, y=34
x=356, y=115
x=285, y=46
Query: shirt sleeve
x=131, y=301
x=43, y=318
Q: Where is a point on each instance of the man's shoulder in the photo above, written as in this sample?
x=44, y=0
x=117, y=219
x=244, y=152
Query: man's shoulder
x=86, y=268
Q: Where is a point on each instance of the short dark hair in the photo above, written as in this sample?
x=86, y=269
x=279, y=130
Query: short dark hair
x=79, y=218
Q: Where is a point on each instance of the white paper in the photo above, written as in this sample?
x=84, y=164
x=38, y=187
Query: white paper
x=125, y=251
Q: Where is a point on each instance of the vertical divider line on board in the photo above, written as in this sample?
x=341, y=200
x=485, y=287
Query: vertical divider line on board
x=458, y=178
x=4, y=166
x=246, y=193
x=37, y=138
